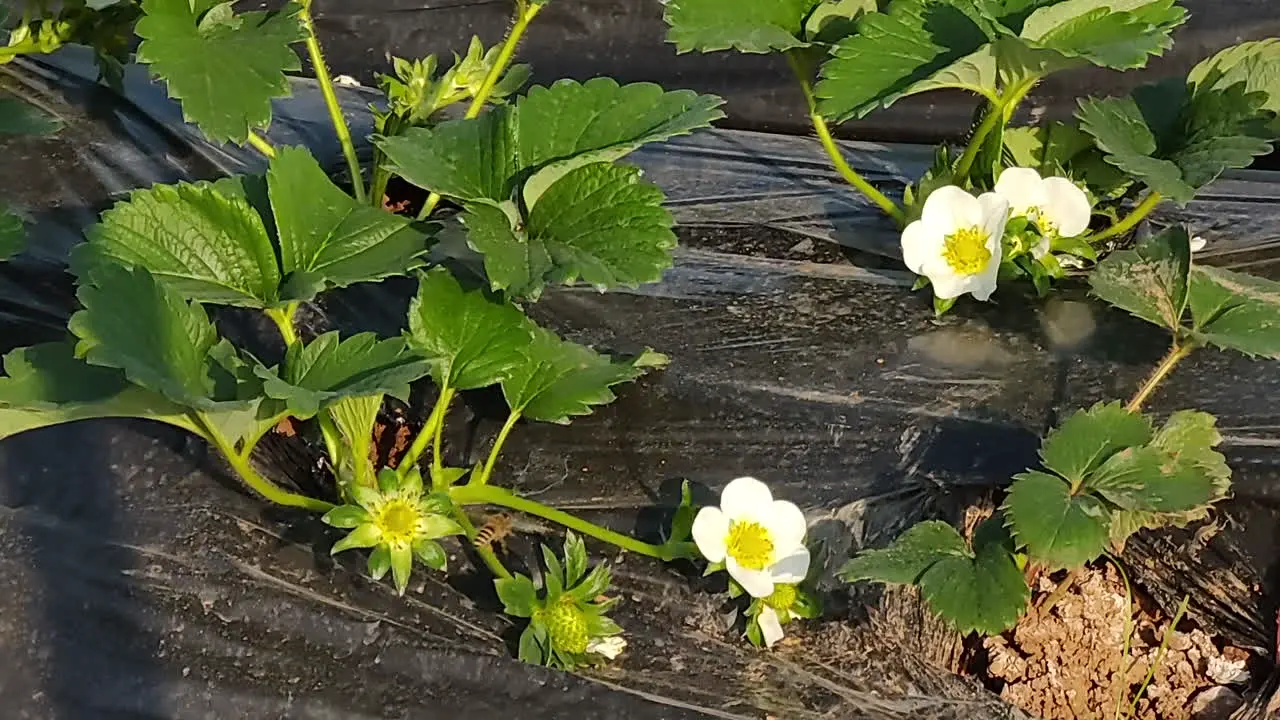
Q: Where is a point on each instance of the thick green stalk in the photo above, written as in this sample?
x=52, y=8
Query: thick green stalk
x=842, y=166
x=427, y=433
x=999, y=112
x=1130, y=221
x=1179, y=351
x=332, y=439
x=250, y=477
x=380, y=175
x=487, y=472
x=331, y=102
x=284, y=322
x=475, y=494
x=505, y=55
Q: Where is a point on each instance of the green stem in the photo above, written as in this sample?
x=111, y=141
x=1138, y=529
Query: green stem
x=997, y=113
x=260, y=144
x=1164, y=647
x=508, y=51
x=485, y=552
x=251, y=441
x=1177, y=353
x=284, y=322
x=485, y=474
x=1130, y=221
x=250, y=477
x=381, y=173
x=331, y=102
x=850, y=175
x=426, y=434
x=332, y=439
x=475, y=494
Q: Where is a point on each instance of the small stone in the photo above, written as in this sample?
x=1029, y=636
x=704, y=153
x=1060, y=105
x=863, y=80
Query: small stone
x=804, y=247
x=1227, y=672
x=1215, y=703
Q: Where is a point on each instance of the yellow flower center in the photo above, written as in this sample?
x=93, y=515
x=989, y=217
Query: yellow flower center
x=966, y=251
x=398, y=521
x=1047, y=227
x=749, y=543
x=783, y=597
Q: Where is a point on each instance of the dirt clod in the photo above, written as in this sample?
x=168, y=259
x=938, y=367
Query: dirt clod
x=1066, y=664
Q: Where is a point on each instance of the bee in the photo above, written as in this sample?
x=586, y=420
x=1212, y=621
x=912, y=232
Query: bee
x=496, y=529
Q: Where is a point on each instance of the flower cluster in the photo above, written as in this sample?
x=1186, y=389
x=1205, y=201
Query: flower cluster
x=961, y=242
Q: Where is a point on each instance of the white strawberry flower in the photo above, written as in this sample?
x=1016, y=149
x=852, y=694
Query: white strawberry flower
x=760, y=540
x=957, y=242
x=1057, y=206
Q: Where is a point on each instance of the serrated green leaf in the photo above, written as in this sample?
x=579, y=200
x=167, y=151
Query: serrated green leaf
x=47, y=385
x=462, y=159
x=209, y=246
x=1189, y=436
x=594, y=585
x=1089, y=437
x=603, y=225
x=900, y=50
x=511, y=261
x=1255, y=65
x=18, y=117
x=328, y=237
x=1236, y=311
x=749, y=26
x=355, y=418
x=1121, y=131
x=986, y=593
x=327, y=370
x=1148, y=478
x=834, y=20
x=1116, y=34
x=575, y=559
x=571, y=124
x=470, y=339
x=909, y=556
x=223, y=67
x=13, y=233
x=553, y=576
x=1149, y=281
x=560, y=380
x=1058, y=529
x=532, y=651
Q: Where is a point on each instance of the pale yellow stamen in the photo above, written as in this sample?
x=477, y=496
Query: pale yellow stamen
x=966, y=251
x=749, y=543
x=398, y=521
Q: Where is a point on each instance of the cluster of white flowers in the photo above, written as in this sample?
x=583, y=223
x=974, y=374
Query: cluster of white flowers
x=760, y=541
x=958, y=242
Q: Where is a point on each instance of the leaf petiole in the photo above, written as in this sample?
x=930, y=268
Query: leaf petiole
x=998, y=113
x=842, y=166
x=428, y=433
x=525, y=15
x=331, y=102
x=284, y=322
x=262, y=145
x=476, y=494
x=1177, y=353
x=1130, y=221
x=483, y=478
x=332, y=439
x=243, y=468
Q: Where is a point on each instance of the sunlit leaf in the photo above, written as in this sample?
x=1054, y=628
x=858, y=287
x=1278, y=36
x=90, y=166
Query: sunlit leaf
x=462, y=159
x=1058, y=529
x=326, y=370
x=751, y=26
x=1236, y=311
x=561, y=379
x=1089, y=437
x=1151, y=280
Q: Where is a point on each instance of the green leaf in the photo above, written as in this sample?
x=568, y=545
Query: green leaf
x=364, y=536
x=682, y=521
x=571, y=124
x=604, y=225
x=1121, y=131
x=1236, y=311
x=379, y=562
x=985, y=593
x=534, y=644
x=901, y=51
x=209, y=246
x=1255, y=65
x=463, y=159
x=430, y=553
x=224, y=68
x=470, y=339
x=909, y=557
x=511, y=261
x=1148, y=479
x=1089, y=437
x=13, y=233
x=834, y=20
x=1116, y=34
x=346, y=516
x=561, y=379
x=594, y=585
x=401, y=567
x=1189, y=436
x=18, y=117
x=1058, y=529
x=553, y=577
x=132, y=322
x=518, y=596
x=1151, y=280
x=327, y=370
x=327, y=237
x=749, y=26
x=355, y=418
x=48, y=385
x=575, y=559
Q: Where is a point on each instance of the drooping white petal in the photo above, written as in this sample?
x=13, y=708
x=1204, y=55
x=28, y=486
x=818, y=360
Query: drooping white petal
x=995, y=216
x=746, y=498
x=950, y=208
x=757, y=583
x=1022, y=188
x=710, y=532
x=947, y=284
x=770, y=626
x=920, y=244
x=1198, y=243
x=786, y=525
x=1066, y=207
x=793, y=568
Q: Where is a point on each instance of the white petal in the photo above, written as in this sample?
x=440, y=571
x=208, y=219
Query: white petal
x=995, y=215
x=793, y=568
x=746, y=498
x=786, y=525
x=949, y=208
x=1041, y=249
x=1066, y=206
x=947, y=284
x=983, y=284
x=920, y=244
x=757, y=583
x=1198, y=243
x=710, y=531
x=1022, y=188
x=609, y=647
x=770, y=627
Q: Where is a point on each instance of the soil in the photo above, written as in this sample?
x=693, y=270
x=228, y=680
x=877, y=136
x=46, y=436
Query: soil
x=1066, y=664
